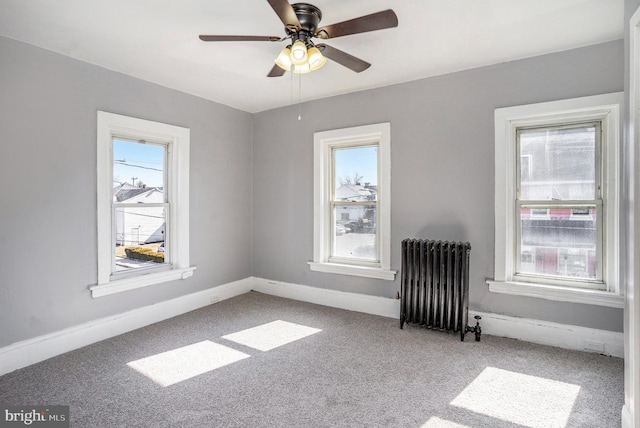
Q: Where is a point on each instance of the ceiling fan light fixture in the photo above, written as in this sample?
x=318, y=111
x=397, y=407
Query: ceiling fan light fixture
x=299, y=54
x=316, y=59
x=302, y=69
x=284, y=59
x=301, y=22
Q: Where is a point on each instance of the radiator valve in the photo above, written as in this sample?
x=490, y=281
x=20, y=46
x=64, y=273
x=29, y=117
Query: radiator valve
x=475, y=329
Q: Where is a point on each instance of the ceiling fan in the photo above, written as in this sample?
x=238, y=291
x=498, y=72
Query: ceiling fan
x=301, y=25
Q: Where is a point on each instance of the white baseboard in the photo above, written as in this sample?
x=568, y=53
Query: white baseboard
x=549, y=333
x=31, y=351
x=375, y=305
x=40, y=348
x=536, y=331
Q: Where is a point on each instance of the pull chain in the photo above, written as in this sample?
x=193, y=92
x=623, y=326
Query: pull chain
x=292, y=67
x=300, y=96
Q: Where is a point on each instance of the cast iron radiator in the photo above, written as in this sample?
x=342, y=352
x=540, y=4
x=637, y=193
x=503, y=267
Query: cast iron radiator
x=435, y=285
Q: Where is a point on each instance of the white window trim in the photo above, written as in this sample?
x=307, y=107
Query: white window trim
x=323, y=143
x=601, y=107
x=110, y=125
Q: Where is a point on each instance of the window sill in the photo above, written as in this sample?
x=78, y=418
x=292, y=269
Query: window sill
x=367, y=272
x=560, y=294
x=127, y=284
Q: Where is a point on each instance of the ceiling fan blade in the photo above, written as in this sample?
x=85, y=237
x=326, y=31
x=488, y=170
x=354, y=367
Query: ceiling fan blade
x=207, y=38
x=375, y=21
x=286, y=14
x=276, y=72
x=343, y=58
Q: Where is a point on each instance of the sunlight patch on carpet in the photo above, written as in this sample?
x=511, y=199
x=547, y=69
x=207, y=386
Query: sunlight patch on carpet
x=518, y=398
x=271, y=335
x=436, y=422
x=184, y=363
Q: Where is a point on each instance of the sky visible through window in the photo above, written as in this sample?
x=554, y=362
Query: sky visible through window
x=135, y=162
x=362, y=161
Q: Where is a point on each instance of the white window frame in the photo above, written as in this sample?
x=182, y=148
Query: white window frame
x=177, y=139
x=605, y=108
x=324, y=143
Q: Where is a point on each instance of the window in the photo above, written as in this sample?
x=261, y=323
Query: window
x=556, y=200
x=143, y=203
x=352, y=201
x=354, y=241
x=566, y=179
x=139, y=207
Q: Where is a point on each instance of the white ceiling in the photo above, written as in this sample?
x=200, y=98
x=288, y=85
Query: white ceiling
x=157, y=40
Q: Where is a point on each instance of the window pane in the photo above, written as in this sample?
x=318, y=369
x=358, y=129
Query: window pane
x=356, y=173
x=558, y=164
x=140, y=235
x=354, y=232
x=561, y=244
x=137, y=169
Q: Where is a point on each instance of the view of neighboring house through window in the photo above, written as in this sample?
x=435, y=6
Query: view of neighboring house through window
x=354, y=202
x=143, y=203
x=557, y=200
x=140, y=204
x=560, y=201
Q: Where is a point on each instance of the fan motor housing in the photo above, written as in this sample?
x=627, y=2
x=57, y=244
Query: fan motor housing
x=308, y=15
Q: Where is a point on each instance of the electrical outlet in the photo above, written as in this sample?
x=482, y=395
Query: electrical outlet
x=215, y=298
x=593, y=345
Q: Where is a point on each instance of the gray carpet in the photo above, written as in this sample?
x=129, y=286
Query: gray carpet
x=359, y=370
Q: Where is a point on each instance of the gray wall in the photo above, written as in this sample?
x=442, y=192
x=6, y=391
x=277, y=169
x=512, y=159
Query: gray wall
x=48, y=186
x=442, y=162
x=243, y=164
